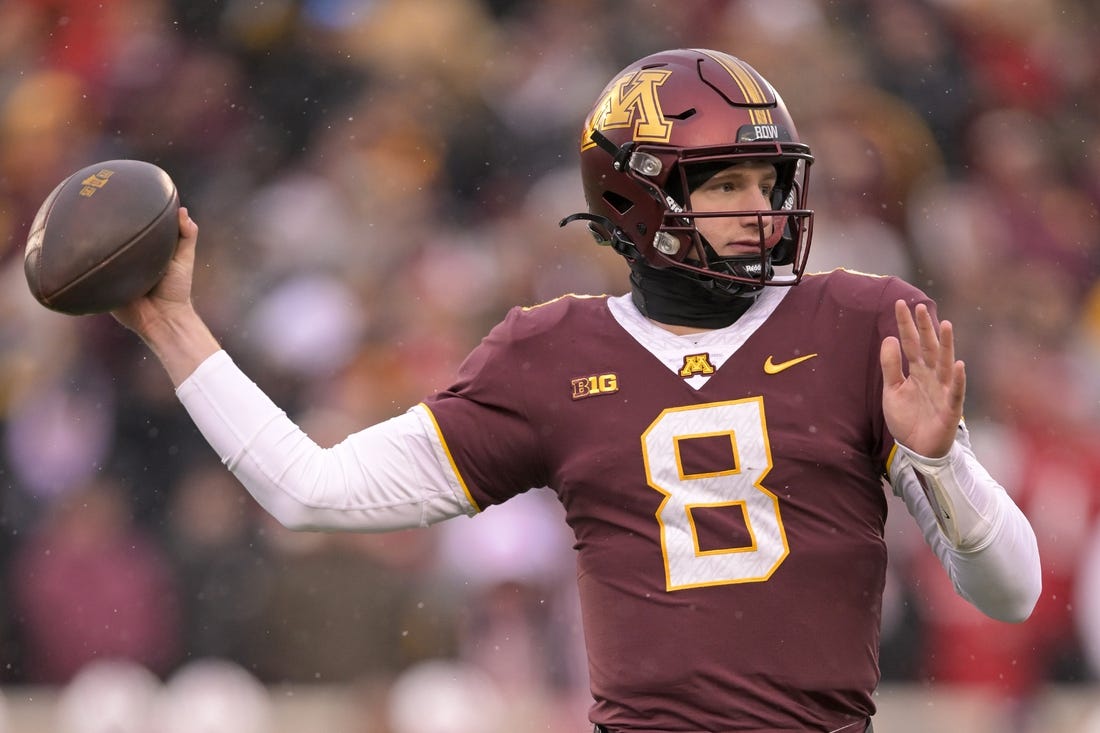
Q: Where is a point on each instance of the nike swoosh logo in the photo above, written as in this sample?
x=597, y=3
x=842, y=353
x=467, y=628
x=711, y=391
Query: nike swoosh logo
x=772, y=368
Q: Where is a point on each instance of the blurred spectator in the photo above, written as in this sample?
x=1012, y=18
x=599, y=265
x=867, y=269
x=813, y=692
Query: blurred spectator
x=446, y=697
x=875, y=151
x=212, y=696
x=914, y=52
x=520, y=624
x=1086, y=602
x=346, y=608
x=88, y=584
x=60, y=435
x=220, y=561
x=108, y=696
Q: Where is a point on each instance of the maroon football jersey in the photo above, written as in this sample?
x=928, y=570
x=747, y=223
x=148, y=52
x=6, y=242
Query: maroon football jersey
x=728, y=513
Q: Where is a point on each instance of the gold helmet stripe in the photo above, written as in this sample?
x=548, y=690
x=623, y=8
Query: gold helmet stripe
x=741, y=74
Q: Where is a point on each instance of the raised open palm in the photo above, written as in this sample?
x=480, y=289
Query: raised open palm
x=922, y=408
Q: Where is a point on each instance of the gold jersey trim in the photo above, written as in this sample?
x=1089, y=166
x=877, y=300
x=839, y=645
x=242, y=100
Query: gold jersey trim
x=451, y=458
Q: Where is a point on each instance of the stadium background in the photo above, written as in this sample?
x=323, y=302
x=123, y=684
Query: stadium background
x=376, y=182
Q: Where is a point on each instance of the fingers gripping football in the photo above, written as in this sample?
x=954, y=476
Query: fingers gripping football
x=173, y=290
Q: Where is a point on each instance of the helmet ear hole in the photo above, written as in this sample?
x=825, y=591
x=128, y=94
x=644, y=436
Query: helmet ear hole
x=621, y=204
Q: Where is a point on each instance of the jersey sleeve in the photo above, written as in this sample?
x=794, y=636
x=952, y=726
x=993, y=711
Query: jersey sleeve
x=483, y=419
x=387, y=476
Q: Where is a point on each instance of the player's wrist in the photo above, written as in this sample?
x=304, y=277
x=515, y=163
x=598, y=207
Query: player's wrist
x=927, y=461
x=180, y=339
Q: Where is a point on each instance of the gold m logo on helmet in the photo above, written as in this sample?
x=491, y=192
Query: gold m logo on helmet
x=631, y=100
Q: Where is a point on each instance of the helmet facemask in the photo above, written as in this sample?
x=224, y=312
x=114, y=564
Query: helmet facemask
x=782, y=229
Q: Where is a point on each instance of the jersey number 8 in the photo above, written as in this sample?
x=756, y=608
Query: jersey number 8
x=736, y=485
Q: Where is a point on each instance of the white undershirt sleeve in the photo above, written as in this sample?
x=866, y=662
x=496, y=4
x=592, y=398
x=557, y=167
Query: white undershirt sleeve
x=393, y=475
x=982, y=539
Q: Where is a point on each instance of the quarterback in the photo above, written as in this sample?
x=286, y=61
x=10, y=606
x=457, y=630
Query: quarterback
x=724, y=437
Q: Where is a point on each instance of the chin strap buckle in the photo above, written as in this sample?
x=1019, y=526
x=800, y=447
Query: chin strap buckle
x=606, y=234
x=620, y=156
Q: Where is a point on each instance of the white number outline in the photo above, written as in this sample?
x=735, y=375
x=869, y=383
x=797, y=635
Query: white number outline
x=686, y=565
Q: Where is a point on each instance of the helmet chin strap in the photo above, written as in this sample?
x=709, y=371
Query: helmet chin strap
x=745, y=266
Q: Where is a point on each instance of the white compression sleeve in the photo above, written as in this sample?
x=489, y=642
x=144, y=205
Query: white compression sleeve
x=982, y=539
x=392, y=475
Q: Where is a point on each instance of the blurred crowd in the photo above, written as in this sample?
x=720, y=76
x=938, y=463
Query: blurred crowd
x=376, y=182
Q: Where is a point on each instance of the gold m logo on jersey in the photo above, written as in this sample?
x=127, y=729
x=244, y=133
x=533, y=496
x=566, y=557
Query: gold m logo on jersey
x=595, y=385
x=696, y=364
x=632, y=100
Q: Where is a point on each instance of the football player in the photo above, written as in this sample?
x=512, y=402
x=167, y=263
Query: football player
x=720, y=437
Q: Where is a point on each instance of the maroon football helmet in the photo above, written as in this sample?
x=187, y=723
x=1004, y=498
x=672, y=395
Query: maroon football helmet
x=662, y=126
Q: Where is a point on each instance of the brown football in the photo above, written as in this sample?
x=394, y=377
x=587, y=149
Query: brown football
x=103, y=237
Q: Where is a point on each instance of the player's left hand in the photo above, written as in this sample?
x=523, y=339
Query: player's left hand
x=922, y=409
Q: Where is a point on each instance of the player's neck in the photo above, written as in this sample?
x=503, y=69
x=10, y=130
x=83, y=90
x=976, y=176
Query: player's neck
x=681, y=305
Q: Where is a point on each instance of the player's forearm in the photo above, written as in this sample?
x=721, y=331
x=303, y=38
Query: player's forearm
x=382, y=478
x=1004, y=578
x=982, y=539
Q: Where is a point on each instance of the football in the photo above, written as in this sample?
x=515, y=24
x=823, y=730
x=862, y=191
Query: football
x=103, y=237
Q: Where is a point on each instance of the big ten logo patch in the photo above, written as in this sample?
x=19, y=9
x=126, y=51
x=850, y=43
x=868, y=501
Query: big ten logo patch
x=595, y=385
